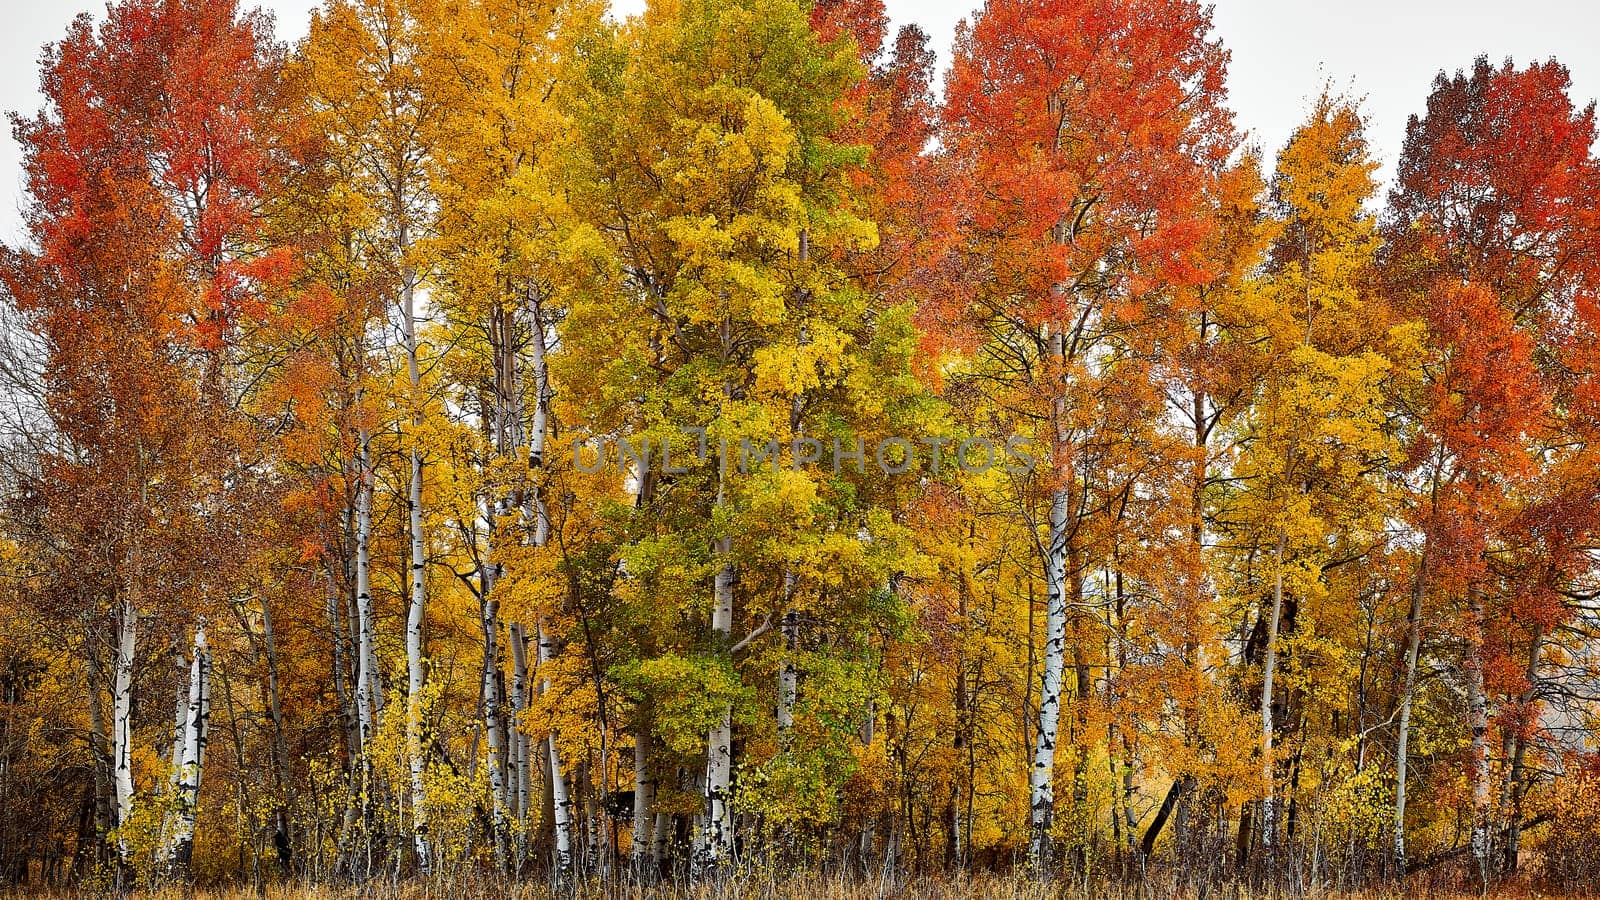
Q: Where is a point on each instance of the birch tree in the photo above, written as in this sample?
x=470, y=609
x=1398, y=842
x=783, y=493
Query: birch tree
x=191, y=764
x=1490, y=255
x=1047, y=251
x=144, y=171
x=506, y=70
x=725, y=216
x=363, y=76
x=1308, y=447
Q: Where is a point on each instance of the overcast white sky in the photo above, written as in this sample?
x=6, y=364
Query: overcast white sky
x=1386, y=51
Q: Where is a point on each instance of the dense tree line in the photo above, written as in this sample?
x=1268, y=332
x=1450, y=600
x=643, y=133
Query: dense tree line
x=490, y=440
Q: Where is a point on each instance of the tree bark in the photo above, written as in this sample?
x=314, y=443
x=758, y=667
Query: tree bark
x=521, y=785
x=92, y=833
x=1041, y=781
x=280, y=745
x=180, y=715
x=561, y=797
x=1519, y=772
x=195, y=730
x=1268, y=669
x=493, y=723
x=955, y=852
x=788, y=675
x=1175, y=793
x=1478, y=727
x=341, y=689
x=122, y=719
x=719, y=742
x=717, y=831
x=368, y=691
x=416, y=614
x=1407, y=693
x=644, y=797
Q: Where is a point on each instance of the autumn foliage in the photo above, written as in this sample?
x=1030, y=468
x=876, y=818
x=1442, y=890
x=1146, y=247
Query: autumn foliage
x=489, y=444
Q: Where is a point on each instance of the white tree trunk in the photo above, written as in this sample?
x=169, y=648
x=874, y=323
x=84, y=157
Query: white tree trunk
x=1408, y=689
x=335, y=603
x=560, y=794
x=1041, y=782
x=493, y=726
x=594, y=821
x=417, y=613
x=195, y=730
x=122, y=719
x=182, y=683
x=788, y=675
x=502, y=737
x=416, y=676
x=697, y=825
x=368, y=699
x=644, y=798
x=1269, y=667
x=718, y=837
x=1478, y=726
x=537, y=349
x=516, y=742
x=664, y=831
x=180, y=715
